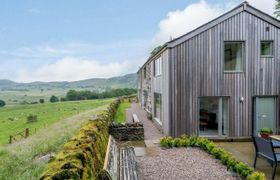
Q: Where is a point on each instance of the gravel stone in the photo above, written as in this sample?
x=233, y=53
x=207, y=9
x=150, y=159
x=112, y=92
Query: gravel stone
x=181, y=164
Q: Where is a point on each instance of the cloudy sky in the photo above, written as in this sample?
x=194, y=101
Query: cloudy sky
x=79, y=39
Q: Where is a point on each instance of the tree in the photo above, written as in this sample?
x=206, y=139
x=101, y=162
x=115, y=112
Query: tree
x=2, y=103
x=54, y=99
x=42, y=101
x=277, y=7
x=72, y=95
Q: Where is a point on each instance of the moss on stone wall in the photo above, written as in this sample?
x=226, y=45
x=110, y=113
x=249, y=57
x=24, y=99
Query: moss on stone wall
x=83, y=156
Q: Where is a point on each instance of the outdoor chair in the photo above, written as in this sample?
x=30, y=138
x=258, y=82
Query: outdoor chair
x=264, y=148
x=275, y=144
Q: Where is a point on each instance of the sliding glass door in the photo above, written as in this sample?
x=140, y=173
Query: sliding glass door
x=214, y=116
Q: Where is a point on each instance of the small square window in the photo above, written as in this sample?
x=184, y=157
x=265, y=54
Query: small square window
x=266, y=48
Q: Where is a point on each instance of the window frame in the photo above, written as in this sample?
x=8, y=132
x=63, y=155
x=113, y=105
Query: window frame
x=243, y=43
x=158, y=119
x=159, y=71
x=272, y=49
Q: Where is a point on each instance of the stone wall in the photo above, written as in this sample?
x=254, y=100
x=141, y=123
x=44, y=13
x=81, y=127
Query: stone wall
x=82, y=157
x=127, y=132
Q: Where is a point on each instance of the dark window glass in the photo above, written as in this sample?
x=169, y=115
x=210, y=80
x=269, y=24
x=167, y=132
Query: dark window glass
x=234, y=56
x=266, y=48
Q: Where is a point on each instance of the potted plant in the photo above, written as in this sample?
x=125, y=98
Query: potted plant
x=265, y=132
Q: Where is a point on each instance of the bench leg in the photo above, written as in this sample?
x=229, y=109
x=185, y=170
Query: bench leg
x=255, y=161
x=274, y=170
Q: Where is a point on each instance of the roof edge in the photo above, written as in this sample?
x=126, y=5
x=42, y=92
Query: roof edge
x=245, y=6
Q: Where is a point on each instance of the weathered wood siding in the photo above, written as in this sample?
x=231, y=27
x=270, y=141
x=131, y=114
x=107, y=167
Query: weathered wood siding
x=160, y=84
x=197, y=70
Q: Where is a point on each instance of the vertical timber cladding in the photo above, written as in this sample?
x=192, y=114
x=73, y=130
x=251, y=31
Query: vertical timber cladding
x=197, y=70
x=160, y=84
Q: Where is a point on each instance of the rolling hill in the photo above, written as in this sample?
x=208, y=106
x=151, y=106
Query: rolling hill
x=126, y=81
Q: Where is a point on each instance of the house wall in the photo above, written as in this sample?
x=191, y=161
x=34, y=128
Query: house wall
x=144, y=84
x=160, y=84
x=197, y=70
x=156, y=84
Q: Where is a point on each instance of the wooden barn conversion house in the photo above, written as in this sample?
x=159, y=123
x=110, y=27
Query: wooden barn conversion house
x=221, y=80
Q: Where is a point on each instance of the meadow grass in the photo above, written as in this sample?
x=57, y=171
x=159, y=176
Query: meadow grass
x=14, y=98
x=14, y=119
x=120, y=116
x=22, y=160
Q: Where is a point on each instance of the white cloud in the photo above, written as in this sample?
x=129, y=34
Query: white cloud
x=72, y=69
x=194, y=15
x=267, y=6
x=76, y=60
x=182, y=21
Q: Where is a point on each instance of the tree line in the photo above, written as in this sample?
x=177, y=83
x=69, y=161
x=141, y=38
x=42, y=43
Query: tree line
x=74, y=95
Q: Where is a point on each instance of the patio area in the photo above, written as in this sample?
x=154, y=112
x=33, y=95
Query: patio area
x=154, y=162
x=245, y=152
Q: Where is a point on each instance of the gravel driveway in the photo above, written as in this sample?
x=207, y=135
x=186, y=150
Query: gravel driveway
x=182, y=164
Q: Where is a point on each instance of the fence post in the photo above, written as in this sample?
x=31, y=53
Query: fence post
x=11, y=139
x=26, y=132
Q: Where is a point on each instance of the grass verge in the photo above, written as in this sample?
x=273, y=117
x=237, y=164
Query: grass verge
x=120, y=116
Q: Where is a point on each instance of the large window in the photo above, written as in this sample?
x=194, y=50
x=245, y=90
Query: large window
x=266, y=49
x=234, y=56
x=158, y=66
x=158, y=106
x=214, y=116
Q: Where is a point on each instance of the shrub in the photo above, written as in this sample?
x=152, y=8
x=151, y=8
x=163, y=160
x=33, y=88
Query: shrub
x=193, y=140
x=32, y=118
x=166, y=142
x=42, y=101
x=184, y=142
x=54, y=99
x=176, y=142
x=242, y=169
x=2, y=103
x=256, y=176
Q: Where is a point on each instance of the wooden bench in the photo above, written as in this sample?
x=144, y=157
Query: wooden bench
x=135, y=118
x=120, y=162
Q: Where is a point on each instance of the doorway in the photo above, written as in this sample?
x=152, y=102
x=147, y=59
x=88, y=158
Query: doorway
x=265, y=113
x=213, y=116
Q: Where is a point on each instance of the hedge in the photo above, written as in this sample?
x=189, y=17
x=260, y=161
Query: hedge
x=83, y=156
x=225, y=157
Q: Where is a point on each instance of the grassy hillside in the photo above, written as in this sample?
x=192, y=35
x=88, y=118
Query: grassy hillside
x=24, y=160
x=126, y=81
x=17, y=93
x=14, y=119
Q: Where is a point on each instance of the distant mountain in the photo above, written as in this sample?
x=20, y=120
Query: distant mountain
x=126, y=81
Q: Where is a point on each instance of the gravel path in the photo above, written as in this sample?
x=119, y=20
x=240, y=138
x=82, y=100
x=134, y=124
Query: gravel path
x=151, y=132
x=182, y=164
x=172, y=164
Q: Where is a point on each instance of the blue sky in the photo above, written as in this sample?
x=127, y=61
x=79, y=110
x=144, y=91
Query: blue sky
x=78, y=39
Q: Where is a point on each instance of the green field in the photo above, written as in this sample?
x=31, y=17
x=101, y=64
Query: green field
x=14, y=119
x=14, y=98
x=121, y=112
x=23, y=160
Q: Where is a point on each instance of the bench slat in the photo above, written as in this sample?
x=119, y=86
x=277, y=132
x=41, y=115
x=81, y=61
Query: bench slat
x=120, y=163
x=135, y=118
